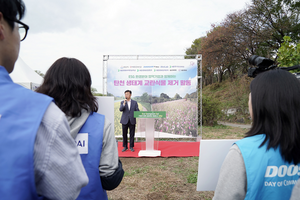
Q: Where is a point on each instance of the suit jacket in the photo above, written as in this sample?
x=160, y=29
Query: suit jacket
x=128, y=114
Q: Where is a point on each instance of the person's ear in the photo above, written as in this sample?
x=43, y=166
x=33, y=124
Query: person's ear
x=2, y=36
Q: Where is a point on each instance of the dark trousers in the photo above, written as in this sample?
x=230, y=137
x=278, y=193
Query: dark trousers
x=125, y=131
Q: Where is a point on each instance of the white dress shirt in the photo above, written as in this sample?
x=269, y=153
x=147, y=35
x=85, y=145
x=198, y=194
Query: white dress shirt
x=129, y=104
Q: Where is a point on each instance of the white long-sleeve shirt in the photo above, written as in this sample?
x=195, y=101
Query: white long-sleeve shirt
x=129, y=104
x=58, y=170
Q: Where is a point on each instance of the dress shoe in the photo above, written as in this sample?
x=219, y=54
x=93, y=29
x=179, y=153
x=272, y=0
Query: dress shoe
x=125, y=149
x=131, y=149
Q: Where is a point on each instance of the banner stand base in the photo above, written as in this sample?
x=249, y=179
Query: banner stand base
x=150, y=153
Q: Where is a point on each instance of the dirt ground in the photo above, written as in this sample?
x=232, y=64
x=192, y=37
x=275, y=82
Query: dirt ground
x=167, y=178
x=159, y=178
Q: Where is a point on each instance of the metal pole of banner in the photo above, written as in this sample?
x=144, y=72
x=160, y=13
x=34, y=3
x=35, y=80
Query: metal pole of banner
x=201, y=103
x=198, y=57
x=198, y=87
x=200, y=80
x=148, y=57
x=105, y=60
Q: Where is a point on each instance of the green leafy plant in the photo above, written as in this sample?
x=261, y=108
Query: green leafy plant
x=210, y=111
x=289, y=53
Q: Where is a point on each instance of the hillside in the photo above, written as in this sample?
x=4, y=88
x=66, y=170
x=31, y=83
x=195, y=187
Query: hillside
x=228, y=96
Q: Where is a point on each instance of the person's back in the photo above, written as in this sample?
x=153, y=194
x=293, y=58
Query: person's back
x=21, y=112
x=269, y=176
x=68, y=81
x=36, y=145
x=89, y=142
x=265, y=164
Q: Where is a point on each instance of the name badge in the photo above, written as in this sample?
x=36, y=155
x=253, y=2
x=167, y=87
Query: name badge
x=82, y=142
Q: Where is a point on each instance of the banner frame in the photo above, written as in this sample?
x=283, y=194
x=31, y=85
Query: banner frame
x=198, y=57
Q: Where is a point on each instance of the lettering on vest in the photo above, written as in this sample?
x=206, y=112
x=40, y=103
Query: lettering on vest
x=281, y=183
x=289, y=182
x=272, y=184
x=82, y=142
x=282, y=171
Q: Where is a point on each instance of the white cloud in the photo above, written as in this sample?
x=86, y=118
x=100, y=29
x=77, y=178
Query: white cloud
x=89, y=29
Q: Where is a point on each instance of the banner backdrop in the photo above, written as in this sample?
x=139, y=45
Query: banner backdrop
x=157, y=85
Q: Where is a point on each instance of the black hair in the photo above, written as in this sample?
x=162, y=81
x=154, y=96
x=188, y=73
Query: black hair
x=68, y=81
x=127, y=91
x=12, y=10
x=275, y=97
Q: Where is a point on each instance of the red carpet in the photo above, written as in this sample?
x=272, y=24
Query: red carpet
x=168, y=149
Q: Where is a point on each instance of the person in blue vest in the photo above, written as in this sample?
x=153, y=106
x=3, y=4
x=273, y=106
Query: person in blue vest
x=68, y=81
x=38, y=156
x=265, y=164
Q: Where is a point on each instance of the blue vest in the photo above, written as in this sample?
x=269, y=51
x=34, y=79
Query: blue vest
x=21, y=112
x=89, y=142
x=268, y=175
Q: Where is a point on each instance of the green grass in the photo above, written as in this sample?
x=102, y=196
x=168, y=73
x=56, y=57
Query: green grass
x=203, y=196
x=217, y=127
x=223, y=132
x=231, y=94
x=146, y=105
x=159, y=178
x=191, y=174
x=192, y=178
x=159, y=186
x=135, y=171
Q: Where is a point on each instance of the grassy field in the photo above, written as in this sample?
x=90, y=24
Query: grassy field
x=222, y=132
x=159, y=178
x=167, y=178
x=147, y=106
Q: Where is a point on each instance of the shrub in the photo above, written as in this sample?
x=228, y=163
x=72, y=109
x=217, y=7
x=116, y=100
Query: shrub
x=289, y=53
x=210, y=111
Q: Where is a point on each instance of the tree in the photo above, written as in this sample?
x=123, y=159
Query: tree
x=268, y=21
x=259, y=29
x=195, y=47
x=145, y=97
x=288, y=53
x=177, y=96
x=186, y=96
x=193, y=95
x=165, y=96
x=154, y=100
x=193, y=50
x=242, y=43
x=40, y=73
x=94, y=92
x=218, y=51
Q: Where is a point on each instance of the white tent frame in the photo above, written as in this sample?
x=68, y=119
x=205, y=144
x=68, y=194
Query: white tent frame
x=25, y=76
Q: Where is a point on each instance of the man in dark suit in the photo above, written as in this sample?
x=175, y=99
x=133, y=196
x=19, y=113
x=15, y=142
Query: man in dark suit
x=128, y=106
